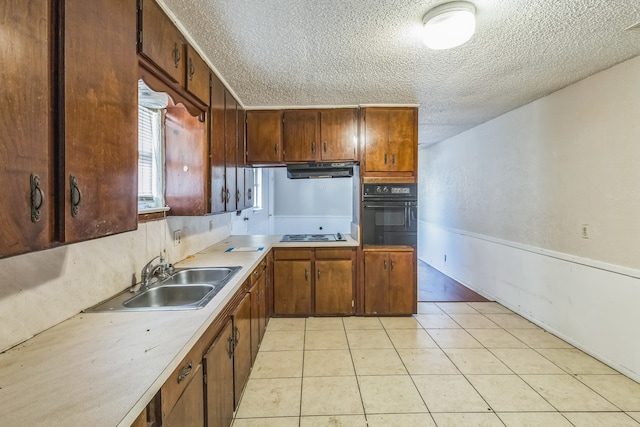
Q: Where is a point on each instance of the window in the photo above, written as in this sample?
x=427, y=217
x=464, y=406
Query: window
x=151, y=110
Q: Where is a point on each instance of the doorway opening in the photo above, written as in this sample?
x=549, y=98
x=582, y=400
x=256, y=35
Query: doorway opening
x=434, y=286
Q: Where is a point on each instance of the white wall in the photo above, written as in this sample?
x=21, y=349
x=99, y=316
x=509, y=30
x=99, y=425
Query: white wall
x=506, y=202
x=40, y=289
x=311, y=205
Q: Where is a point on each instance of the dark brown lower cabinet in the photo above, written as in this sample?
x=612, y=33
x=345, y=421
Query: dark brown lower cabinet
x=242, y=350
x=189, y=409
x=389, y=281
x=292, y=287
x=313, y=281
x=218, y=363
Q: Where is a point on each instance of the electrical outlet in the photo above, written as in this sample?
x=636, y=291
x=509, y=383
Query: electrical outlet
x=177, y=235
x=584, y=231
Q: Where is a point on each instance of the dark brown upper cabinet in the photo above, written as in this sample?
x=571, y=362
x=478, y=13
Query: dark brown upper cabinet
x=100, y=112
x=26, y=145
x=319, y=135
x=162, y=44
x=390, y=140
x=264, y=137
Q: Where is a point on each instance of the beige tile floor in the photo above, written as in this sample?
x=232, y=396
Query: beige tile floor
x=453, y=364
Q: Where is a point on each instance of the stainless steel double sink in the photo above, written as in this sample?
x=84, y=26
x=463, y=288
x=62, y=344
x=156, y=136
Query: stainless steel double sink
x=184, y=289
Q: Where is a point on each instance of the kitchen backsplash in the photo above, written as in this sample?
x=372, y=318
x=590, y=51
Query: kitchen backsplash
x=41, y=289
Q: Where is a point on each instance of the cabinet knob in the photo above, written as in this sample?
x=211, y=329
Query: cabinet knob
x=37, y=198
x=192, y=70
x=76, y=195
x=186, y=370
x=176, y=55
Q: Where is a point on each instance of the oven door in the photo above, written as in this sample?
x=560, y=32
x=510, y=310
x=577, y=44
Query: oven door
x=389, y=223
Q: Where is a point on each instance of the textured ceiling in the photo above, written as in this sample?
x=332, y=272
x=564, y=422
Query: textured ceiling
x=277, y=53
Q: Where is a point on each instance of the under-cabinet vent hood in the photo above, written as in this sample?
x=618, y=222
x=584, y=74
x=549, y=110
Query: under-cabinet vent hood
x=320, y=170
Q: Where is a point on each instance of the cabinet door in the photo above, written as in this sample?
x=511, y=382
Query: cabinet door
x=300, y=135
x=25, y=126
x=161, y=41
x=241, y=185
x=338, y=134
x=268, y=288
x=189, y=409
x=197, y=80
x=249, y=181
x=334, y=286
x=255, y=320
x=231, y=117
x=402, y=285
x=218, y=363
x=100, y=118
x=376, y=133
x=292, y=287
x=264, y=136
x=218, y=189
x=376, y=283
x=242, y=351
x=186, y=163
x=401, y=140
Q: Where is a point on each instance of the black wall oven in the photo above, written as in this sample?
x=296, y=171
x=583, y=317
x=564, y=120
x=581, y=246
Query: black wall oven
x=389, y=214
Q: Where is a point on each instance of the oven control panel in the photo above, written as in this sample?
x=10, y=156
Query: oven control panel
x=408, y=191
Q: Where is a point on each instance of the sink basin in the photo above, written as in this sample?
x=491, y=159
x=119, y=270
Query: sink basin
x=173, y=296
x=199, y=275
x=185, y=289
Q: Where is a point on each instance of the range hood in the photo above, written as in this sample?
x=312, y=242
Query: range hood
x=320, y=170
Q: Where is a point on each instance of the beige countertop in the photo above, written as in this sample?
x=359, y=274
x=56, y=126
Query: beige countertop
x=102, y=369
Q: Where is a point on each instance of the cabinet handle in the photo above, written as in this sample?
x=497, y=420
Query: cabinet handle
x=76, y=195
x=223, y=195
x=236, y=336
x=237, y=196
x=249, y=193
x=37, y=198
x=313, y=147
x=318, y=274
x=275, y=148
x=393, y=159
x=191, y=69
x=186, y=370
x=306, y=275
x=230, y=349
x=176, y=55
x=324, y=146
x=227, y=196
x=391, y=265
x=385, y=158
x=385, y=265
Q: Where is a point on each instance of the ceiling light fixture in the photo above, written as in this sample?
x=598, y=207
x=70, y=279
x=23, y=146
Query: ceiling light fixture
x=449, y=25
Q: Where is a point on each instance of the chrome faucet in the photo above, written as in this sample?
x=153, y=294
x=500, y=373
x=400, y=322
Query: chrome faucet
x=149, y=271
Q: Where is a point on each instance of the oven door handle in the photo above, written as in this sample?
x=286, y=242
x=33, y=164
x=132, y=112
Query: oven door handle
x=384, y=205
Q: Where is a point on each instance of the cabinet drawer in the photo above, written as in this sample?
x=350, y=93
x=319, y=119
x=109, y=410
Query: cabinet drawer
x=178, y=381
x=334, y=253
x=299, y=253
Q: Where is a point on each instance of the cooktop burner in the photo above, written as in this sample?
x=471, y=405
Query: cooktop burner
x=313, y=238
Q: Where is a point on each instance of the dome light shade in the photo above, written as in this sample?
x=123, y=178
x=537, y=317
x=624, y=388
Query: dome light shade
x=449, y=25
